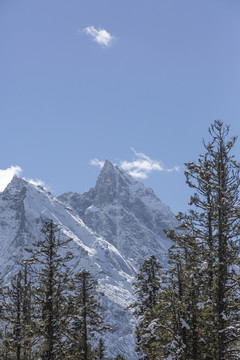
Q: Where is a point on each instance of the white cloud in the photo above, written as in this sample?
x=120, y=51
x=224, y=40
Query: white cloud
x=140, y=167
x=101, y=36
x=7, y=175
x=138, y=174
x=37, y=183
x=96, y=162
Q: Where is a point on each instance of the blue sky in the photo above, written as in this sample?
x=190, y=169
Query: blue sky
x=160, y=73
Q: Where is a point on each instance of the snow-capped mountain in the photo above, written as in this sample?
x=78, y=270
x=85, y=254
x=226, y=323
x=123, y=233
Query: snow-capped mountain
x=125, y=213
x=114, y=227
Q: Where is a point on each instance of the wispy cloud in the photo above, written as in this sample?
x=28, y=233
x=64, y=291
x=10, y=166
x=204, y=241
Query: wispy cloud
x=96, y=162
x=38, y=182
x=140, y=167
x=7, y=175
x=101, y=36
x=143, y=165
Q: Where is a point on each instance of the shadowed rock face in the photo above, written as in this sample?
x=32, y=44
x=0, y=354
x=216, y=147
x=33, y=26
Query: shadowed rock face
x=124, y=212
x=114, y=226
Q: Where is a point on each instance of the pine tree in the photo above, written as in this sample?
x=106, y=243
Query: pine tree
x=100, y=351
x=203, y=282
x=13, y=340
x=146, y=288
x=178, y=322
x=51, y=292
x=18, y=308
x=197, y=314
x=216, y=181
x=2, y=332
x=87, y=319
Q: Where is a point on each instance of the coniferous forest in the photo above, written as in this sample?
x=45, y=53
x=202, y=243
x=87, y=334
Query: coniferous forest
x=48, y=314
x=189, y=310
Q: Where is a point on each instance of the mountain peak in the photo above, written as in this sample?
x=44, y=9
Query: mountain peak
x=126, y=213
x=16, y=183
x=108, y=169
x=107, y=183
x=107, y=165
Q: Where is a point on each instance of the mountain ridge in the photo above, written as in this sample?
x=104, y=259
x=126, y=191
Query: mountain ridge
x=114, y=226
x=119, y=208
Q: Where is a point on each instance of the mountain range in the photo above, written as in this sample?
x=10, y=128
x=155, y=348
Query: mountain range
x=115, y=226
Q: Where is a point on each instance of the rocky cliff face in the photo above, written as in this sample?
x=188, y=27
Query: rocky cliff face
x=114, y=227
x=125, y=213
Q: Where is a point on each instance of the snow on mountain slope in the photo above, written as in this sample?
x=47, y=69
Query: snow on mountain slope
x=23, y=210
x=124, y=212
x=114, y=227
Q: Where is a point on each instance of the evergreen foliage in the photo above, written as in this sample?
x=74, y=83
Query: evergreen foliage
x=18, y=339
x=177, y=316
x=146, y=288
x=50, y=315
x=87, y=319
x=51, y=291
x=215, y=224
x=197, y=314
x=100, y=351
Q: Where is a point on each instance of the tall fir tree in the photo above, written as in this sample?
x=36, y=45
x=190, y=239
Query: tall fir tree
x=2, y=325
x=203, y=280
x=49, y=258
x=146, y=288
x=215, y=179
x=100, y=350
x=178, y=319
x=19, y=338
x=197, y=313
x=87, y=320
